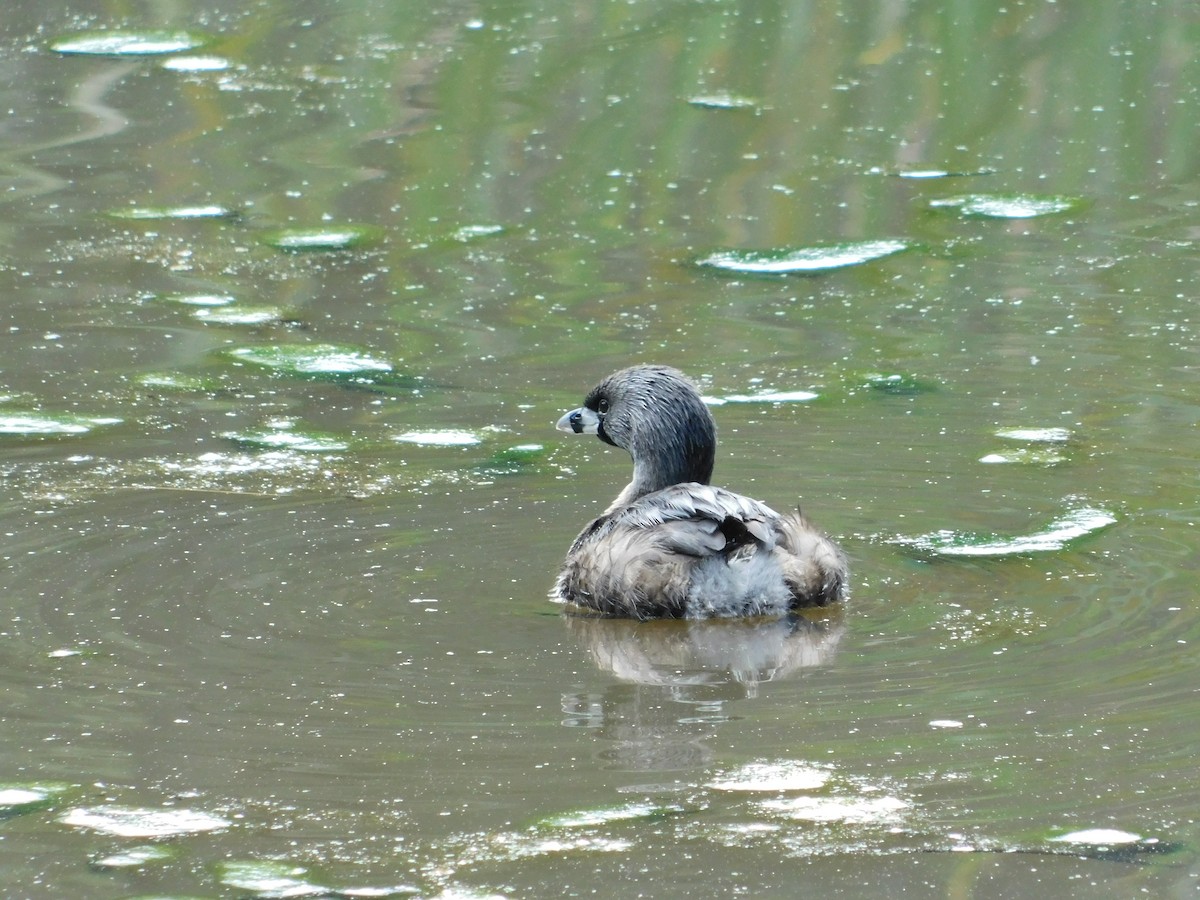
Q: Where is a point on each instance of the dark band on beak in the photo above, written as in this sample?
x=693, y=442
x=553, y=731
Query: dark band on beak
x=579, y=421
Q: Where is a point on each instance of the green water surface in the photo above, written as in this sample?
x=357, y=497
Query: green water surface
x=293, y=293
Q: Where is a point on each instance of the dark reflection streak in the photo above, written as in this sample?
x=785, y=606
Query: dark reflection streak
x=1134, y=853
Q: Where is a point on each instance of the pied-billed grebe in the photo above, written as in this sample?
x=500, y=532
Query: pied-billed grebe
x=671, y=545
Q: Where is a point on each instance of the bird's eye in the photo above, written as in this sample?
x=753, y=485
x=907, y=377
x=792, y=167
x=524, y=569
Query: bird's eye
x=602, y=405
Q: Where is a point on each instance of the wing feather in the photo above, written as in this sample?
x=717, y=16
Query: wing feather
x=692, y=549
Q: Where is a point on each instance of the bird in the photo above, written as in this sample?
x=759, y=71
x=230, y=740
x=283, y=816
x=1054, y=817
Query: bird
x=672, y=545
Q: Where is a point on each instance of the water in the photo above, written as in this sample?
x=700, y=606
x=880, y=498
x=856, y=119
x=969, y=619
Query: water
x=274, y=575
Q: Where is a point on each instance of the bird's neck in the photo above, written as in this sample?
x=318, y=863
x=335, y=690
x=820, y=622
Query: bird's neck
x=675, y=468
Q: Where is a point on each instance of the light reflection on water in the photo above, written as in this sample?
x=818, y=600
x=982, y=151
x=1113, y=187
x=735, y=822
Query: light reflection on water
x=342, y=658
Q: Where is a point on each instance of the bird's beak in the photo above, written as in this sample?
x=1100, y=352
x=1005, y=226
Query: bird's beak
x=579, y=421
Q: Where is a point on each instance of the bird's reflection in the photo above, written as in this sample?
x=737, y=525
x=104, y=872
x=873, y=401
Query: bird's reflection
x=689, y=652
x=678, y=678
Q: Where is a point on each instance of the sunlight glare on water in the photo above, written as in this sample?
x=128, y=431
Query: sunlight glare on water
x=805, y=260
x=129, y=43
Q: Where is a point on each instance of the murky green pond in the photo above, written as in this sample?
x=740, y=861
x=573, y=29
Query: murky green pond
x=292, y=295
